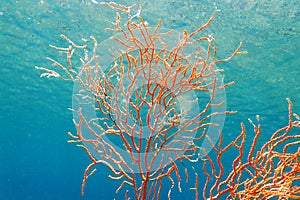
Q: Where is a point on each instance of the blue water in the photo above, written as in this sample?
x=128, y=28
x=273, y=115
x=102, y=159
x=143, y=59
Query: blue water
x=35, y=160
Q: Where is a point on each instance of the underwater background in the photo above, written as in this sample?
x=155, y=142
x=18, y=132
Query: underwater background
x=35, y=160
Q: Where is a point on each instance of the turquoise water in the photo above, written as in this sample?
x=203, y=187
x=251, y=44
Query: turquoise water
x=35, y=160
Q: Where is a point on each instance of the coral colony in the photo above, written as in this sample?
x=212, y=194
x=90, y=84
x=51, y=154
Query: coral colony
x=139, y=110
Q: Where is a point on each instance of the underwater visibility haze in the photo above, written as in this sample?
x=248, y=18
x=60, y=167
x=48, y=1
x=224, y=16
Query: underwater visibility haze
x=36, y=162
